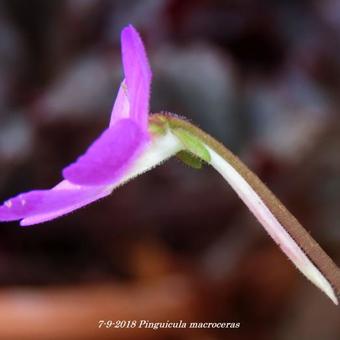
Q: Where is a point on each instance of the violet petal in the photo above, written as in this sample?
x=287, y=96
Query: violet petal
x=109, y=156
x=137, y=74
x=42, y=205
x=121, y=107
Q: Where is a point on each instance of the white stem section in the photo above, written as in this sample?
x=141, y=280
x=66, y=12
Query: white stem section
x=258, y=207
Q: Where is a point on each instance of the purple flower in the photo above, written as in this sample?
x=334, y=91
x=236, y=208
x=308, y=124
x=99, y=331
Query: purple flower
x=116, y=156
x=127, y=149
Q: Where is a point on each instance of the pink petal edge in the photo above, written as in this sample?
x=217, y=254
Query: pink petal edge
x=121, y=107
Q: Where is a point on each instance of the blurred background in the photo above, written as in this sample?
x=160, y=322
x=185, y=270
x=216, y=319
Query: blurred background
x=174, y=244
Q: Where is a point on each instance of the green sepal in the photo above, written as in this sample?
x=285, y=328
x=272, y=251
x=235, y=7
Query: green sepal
x=192, y=144
x=157, y=125
x=189, y=159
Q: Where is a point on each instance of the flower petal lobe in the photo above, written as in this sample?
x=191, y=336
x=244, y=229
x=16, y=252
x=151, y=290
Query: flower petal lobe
x=137, y=74
x=42, y=205
x=121, y=107
x=109, y=156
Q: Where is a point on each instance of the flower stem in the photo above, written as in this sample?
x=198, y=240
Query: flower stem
x=281, y=225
